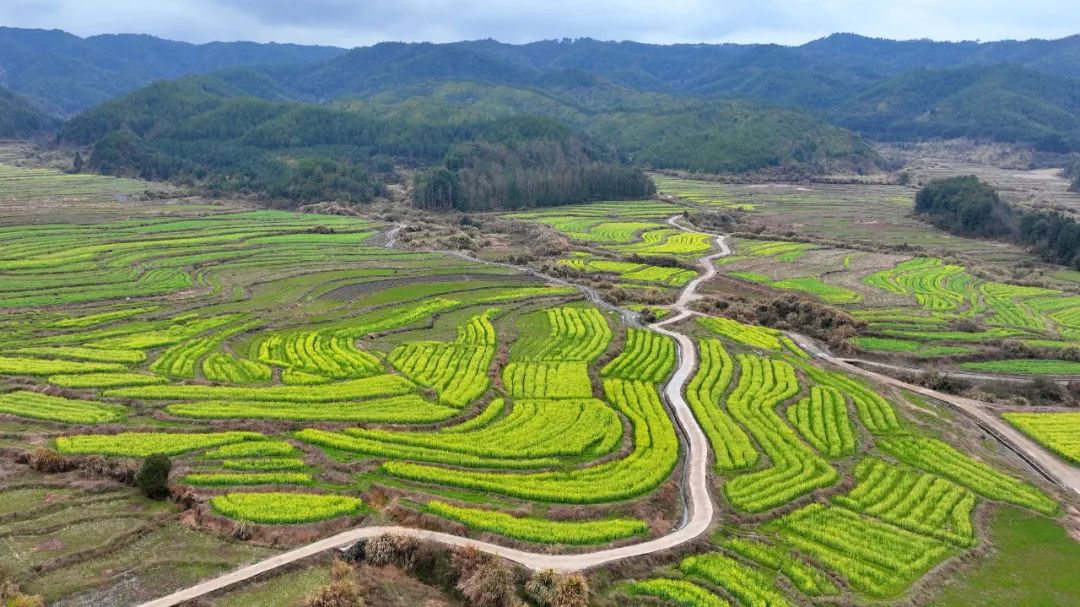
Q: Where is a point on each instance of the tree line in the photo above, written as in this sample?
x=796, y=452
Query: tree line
x=967, y=206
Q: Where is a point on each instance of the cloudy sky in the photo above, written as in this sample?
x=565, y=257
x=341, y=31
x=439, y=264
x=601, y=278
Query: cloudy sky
x=362, y=22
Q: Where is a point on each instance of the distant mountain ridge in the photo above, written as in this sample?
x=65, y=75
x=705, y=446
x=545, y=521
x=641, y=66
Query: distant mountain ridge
x=65, y=74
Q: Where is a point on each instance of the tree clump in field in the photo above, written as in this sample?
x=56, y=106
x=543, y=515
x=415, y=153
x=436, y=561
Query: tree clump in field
x=342, y=591
x=787, y=313
x=966, y=206
x=1073, y=172
x=153, y=476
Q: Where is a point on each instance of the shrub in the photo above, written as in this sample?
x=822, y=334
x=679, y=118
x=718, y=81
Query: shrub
x=48, y=461
x=153, y=476
x=343, y=591
x=390, y=549
x=491, y=584
x=573, y=592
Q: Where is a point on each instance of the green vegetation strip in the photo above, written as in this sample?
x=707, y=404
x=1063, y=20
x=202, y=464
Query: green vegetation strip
x=284, y=508
x=1059, y=432
x=540, y=530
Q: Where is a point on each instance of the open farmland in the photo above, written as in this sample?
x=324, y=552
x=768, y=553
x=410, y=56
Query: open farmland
x=306, y=381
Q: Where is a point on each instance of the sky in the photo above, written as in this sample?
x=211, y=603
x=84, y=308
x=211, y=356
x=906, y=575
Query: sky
x=350, y=23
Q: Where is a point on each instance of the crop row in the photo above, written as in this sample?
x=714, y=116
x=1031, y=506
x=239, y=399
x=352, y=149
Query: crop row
x=750, y=335
x=39, y=366
x=547, y=380
x=458, y=372
x=233, y=479
x=357, y=389
x=664, y=275
x=670, y=241
x=284, y=508
x=406, y=409
x=705, y=392
x=646, y=356
x=491, y=412
x=795, y=470
x=1028, y=366
x=807, y=579
x=678, y=592
x=261, y=448
x=822, y=419
x=875, y=412
x=540, y=530
x=781, y=250
x=228, y=369
x=565, y=334
x=181, y=360
x=97, y=355
x=656, y=450
x=531, y=429
x=264, y=463
x=745, y=583
x=875, y=557
x=942, y=459
x=105, y=380
x=1059, y=432
x=141, y=444
x=923, y=503
x=530, y=436
x=55, y=408
x=319, y=353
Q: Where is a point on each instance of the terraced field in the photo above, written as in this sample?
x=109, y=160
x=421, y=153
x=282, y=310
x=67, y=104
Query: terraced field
x=304, y=380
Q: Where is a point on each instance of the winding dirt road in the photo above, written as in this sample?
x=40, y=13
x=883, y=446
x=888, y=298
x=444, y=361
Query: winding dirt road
x=699, y=503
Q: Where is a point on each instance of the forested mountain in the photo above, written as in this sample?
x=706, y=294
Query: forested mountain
x=1003, y=91
x=66, y=74
x=660, y=130
x=201, y=130
x=1003, y=103
x=489, y=123
x=19, y=118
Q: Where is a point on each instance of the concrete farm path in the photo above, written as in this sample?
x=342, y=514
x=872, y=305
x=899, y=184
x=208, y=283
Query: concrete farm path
x=699, y=503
